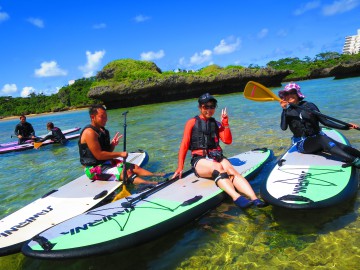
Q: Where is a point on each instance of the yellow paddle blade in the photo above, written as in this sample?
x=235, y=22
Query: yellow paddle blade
x=257, y=92
x=37, y=145
x=122, y=194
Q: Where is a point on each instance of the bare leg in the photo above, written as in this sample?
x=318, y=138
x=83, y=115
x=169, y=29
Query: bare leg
x=240, y=183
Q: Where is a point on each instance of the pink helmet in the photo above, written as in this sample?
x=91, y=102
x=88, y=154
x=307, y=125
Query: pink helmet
x=289, y=87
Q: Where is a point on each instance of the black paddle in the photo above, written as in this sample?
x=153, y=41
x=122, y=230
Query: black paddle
x=124, y=192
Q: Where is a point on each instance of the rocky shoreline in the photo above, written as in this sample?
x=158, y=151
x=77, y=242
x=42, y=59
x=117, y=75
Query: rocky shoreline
x=159, y=89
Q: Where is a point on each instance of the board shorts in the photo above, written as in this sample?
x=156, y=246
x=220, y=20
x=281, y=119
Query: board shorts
x=108, y=171
x=195, y=159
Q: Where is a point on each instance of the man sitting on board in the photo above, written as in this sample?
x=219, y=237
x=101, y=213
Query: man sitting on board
x=24, y=130
x=98, y=156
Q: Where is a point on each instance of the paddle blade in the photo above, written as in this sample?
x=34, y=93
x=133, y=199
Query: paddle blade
x=257, y=92
x=37, y=145
x=122, y=194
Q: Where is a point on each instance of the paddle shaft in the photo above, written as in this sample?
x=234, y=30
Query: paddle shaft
x=124, y=148
x=323, y=115
x=267, y=95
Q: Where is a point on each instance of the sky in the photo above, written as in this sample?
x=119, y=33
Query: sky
x=46, y=44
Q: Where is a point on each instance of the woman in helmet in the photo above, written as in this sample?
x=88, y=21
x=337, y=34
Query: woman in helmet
x=306, y=129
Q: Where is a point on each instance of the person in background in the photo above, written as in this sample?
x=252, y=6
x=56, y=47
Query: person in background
x=307, y=133
x=202, y=136
x=98, y=156
x=24, y=130
x=54, y=134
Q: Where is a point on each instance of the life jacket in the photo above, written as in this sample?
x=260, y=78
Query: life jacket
x=205, y=135
x=301, y=122
x=24, y=129
x=58, y=136
x=86, y=157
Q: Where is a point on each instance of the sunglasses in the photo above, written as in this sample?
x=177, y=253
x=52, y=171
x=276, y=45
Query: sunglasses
x=208, y=107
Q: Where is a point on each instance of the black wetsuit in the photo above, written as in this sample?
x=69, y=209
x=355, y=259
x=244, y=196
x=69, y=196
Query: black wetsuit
x=308, y=135
x=56, y=135
x=26, y=130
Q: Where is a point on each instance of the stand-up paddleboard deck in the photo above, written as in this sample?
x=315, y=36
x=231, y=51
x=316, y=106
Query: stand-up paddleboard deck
x=15, y=147
x=56, y=206
x=306, y=181
x=140, y=217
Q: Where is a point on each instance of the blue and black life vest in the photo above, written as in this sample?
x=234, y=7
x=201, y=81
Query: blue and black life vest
x=86, y=157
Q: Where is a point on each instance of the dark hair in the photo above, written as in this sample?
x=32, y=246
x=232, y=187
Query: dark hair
x=93, y=110
x=22, y=115
x=50, y=125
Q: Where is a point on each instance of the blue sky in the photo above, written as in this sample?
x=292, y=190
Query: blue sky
x=47, y=43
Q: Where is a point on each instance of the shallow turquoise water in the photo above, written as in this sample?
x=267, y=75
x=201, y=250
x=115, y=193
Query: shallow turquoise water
x=226, y=237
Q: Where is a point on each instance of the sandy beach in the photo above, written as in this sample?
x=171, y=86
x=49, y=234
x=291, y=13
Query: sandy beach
x=32, y=115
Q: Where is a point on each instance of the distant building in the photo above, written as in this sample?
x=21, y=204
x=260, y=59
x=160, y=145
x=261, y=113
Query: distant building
x=352, y=44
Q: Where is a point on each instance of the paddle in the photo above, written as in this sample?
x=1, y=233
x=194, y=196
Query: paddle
x=257, y=92
x=124, y=192
x=37, y=145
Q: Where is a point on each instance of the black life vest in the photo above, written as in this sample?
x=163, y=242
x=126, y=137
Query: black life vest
x=205, y=134
x=86, y=157
x=24, y=129
x=301, y=122
x=58, y=136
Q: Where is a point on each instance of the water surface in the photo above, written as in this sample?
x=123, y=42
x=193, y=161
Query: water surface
x=224, y=238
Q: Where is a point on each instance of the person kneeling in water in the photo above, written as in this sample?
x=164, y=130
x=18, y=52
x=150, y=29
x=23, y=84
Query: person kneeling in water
x=97, y=153
x=54, y=134
x=202, y=135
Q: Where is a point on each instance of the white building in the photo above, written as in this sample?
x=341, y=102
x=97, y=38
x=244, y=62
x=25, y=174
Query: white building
x=352, y=44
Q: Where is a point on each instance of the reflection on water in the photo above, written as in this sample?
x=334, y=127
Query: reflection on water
x=224, y=238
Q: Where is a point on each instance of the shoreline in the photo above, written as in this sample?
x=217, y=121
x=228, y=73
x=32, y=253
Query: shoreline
x=39, y=114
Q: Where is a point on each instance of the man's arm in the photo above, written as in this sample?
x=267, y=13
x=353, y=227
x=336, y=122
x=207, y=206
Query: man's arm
x=90, y=137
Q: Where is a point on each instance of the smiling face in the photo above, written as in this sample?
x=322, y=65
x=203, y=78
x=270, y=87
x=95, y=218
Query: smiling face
x=207, y=109
x=291, y=97
x=99, y=119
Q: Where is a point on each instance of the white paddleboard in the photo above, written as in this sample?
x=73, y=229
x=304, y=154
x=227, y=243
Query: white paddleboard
x=140, y=217
x=56, y=206
x=307, y=181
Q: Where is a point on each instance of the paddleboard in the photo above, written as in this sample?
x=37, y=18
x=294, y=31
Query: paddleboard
x=138, y=218
x=58, y=205
x=307, y=181
x=15, y=147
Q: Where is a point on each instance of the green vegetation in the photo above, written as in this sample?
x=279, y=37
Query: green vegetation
x=303, y=68
x=135, y=73
x=68, y=97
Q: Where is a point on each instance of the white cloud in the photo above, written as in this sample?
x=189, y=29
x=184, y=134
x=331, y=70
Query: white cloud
x=199, y=58
x=282, y=33
x=9, y=89
x=263, y=33
x=3, y=16
x=37, y=22
x=92, y=64
x=152, y=55
x=50, y=69
x=141, y=18
x=306, y=7
x=27, y=90
x=224, y=47
x=99, y=26
x=339, y=6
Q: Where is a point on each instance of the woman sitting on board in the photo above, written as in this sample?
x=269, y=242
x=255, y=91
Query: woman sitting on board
x=305, y=127
x=202, y=135
x=98, y=156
